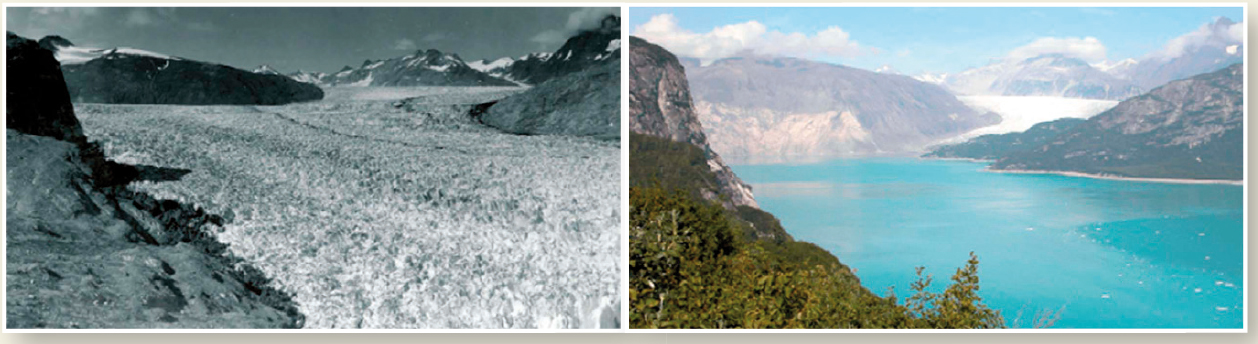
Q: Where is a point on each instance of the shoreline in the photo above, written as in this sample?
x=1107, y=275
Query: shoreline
x=1129, y=179
x=958, y=159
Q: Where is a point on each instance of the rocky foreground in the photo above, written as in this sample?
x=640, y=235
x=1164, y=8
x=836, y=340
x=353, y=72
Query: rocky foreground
x=85, y=251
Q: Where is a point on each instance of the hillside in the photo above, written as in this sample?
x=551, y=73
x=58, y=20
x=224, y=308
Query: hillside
x=133, y=76
x=996, y=146
x=767, y=109
x=1191, y=128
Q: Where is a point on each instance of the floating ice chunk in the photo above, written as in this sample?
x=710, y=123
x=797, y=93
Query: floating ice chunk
x=1104, y=295
x=1207, y=257
x=1201, y=234
x=1221, y=309
x=1196, y=290
x=1030, y=228
x=1218, y=283
x=1229, y=285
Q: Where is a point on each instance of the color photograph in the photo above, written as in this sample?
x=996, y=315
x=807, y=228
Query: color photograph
x=1043, y=168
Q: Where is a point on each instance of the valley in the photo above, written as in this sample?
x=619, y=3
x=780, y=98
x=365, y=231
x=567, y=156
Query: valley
x=390, y=208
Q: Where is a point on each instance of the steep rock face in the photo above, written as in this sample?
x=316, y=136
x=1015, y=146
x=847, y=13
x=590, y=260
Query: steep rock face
x=769, y=108
x=132, y=76
x=585, y=103
x=1191, y=128
x=996, y=146
x=36, y=77
x=83, y=251
x=660, y=106
x=1045, y=75
x=423, y=68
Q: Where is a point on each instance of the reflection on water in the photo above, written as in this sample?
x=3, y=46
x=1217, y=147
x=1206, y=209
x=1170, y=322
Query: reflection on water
x=1112, y=253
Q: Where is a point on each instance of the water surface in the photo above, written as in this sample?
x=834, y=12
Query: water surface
x=1106, y=253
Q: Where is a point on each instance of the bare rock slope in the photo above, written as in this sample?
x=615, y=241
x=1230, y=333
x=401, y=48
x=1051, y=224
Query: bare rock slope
x=84, y=251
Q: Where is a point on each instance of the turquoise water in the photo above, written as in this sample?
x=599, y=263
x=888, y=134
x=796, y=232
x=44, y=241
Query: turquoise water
x=1106, y=254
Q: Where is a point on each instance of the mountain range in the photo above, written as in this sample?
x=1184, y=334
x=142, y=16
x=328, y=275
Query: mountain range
x=1212, y=47
x=768, y=109
x=431, y=67
x=1188, y=129
x=134, y=76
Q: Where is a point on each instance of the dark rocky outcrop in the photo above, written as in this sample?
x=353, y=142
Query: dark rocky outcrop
x=83, y=251
x=38, y=101
x=1191, y=128
x=660, y=106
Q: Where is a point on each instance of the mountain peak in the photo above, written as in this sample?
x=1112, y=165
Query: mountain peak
x=54, y=42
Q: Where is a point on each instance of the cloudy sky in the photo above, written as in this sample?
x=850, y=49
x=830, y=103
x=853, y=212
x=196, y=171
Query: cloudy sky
x=921, y=40
x=312, y=39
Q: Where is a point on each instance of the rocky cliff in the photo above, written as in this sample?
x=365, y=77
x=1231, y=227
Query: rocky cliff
x=660, y=106
x=83, y=251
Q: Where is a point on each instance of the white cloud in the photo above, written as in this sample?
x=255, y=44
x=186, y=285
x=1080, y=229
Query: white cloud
x=729, y=40
x=1216, y=34
x=587, y=18
x=1088, y=49
x=405, y=44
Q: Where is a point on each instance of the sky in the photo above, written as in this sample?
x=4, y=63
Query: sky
x=915, y=40
x=310, y=39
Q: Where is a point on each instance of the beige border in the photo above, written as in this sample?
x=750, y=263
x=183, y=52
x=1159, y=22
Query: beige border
x=722, y=338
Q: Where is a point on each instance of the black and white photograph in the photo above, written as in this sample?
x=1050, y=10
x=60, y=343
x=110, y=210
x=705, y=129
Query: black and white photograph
x=313, y=168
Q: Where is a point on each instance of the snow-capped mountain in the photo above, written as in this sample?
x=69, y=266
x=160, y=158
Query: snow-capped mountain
x=1120, y=68
x=1045, y=75
x=308, y=77
x=580, y=52
x=69, y=54
x=266, y=69
x=423, y=68
x=135, y=76
x=937, y=79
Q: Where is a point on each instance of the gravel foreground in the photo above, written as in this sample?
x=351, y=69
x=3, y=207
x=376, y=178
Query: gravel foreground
x=389, y=208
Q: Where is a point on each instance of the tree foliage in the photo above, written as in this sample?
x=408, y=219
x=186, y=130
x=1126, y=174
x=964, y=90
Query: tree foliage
x=690, y=267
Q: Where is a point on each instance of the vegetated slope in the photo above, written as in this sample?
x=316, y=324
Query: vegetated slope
x=696, y=264
x=84, y=251
x=1191, y=128
x=660, y=106
x=130, y=76
x=760, y=108
x=996, y=146
x=698, y=260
